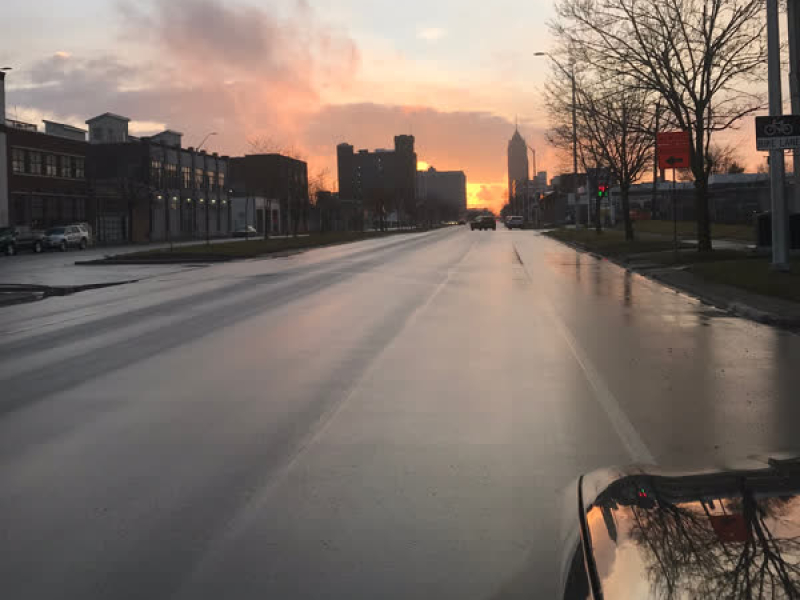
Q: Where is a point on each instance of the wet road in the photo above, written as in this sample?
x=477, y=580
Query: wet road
x=395, y=418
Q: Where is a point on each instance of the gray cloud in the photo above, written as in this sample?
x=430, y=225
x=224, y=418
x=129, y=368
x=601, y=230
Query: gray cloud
x=202, y=65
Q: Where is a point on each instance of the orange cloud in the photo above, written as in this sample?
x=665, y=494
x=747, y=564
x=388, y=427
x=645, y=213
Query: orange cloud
x=487, y=195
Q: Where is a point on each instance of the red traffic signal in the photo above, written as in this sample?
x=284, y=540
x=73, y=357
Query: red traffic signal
x=602, y=190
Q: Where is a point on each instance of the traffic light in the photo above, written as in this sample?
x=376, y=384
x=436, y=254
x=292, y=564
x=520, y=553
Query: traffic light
x=602, y=190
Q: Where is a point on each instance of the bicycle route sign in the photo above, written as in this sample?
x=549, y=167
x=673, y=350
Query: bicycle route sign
x=778, y=133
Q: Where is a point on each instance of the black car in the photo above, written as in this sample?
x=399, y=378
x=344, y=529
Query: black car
x=248, y=231
x=645, y=533
x=20, y=237
x=484, y=222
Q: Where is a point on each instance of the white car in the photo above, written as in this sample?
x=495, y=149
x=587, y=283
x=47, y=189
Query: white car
x=62, y=238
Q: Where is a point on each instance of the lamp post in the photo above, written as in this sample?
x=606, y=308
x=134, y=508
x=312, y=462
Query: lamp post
x=208, y=135
x=571, y=75
x=780, y=221
x=535, y=174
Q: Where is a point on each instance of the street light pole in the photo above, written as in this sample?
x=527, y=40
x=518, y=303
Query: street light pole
x=535, y=179
x=780, y=225
x=208, y=135
x=571, y=75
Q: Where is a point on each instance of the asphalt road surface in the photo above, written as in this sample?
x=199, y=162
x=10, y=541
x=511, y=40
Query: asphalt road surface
x=396, y=418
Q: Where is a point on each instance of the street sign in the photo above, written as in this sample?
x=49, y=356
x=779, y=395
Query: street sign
x=673, y=150
x=777, y=133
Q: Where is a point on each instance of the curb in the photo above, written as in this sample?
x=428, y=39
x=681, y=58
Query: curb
x=18, y=293
x=14, y=298
x=734, y=307
x=177, y=260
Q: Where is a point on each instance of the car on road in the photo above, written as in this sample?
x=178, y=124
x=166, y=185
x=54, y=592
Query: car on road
x=62, y=238
x=514, y=222
x=245, y=232
x=484, y=222
x=21, y=237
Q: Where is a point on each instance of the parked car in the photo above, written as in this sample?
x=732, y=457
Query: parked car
x=245, y=232
x=64, y=237
x=20, y=237
x=514, y=222
x=86, y=229
x=484, y=222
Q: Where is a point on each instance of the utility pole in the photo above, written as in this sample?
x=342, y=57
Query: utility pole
x=571, y=75
x=654, y=199
x=793, y=19
x=575, y=143
x=780, y=224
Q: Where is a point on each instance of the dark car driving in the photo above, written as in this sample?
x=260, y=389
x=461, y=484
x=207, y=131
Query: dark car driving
x=484, y=222
x=14, y=239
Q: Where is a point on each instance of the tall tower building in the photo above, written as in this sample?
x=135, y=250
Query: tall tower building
x=517, y=164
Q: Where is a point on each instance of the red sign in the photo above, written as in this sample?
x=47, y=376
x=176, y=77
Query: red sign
x=673, y=150
x=730, y=528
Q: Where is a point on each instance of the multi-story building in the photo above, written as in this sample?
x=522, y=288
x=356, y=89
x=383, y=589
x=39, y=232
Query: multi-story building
x=443, y=194
x=517, y=166
x=160, y=190
x=383, y=181
x=46, y=180
x=42, y=174
x=276, y=186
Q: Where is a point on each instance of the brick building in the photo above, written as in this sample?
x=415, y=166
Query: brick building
x=272, y=180
x=163, y=191
x=383, y=181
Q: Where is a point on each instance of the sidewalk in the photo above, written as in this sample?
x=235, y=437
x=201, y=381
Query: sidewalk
x=764, y=309
x=740, y=302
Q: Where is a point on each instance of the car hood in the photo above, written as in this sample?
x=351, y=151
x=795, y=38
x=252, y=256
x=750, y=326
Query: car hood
x=730, y=533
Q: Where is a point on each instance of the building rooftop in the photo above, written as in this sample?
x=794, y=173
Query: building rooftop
x=107, y=115
x=64, y=126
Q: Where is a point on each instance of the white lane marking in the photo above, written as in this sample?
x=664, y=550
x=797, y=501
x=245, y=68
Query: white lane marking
x=637, y=449
x=633, y=442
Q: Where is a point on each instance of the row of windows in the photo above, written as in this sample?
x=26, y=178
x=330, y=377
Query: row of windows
x=166, y=176
x=41, y=211
x=33, y=162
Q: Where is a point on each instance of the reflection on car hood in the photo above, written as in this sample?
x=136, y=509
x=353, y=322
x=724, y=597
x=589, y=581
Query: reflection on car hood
x=718, y=534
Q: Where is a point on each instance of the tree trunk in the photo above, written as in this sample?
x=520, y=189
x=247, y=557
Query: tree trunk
x=598, y=225
x=702, y=209
x=626, y=211
x=701, y=174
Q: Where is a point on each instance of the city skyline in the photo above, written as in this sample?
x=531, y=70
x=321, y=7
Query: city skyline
x=306, y=74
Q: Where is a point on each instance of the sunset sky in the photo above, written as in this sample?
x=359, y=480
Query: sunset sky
x=306, y=74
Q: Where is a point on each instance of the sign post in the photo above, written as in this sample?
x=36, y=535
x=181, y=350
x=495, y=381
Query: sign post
x=674, y=152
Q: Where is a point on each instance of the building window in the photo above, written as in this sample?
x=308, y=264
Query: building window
x=66, y=168
x=37, y=209
x=186, y=176
x=78, y=171
x=17, y=160
x=198, y=178
x=212, y=181
x=221, y=180
x=35, y=163
x=172, y=176
x=50, y=168
x=155, y=173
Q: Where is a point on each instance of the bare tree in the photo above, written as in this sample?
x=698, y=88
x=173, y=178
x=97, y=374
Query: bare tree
x=318, y=182
x=697, y=55
x=615, y=126
x=723, y=159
